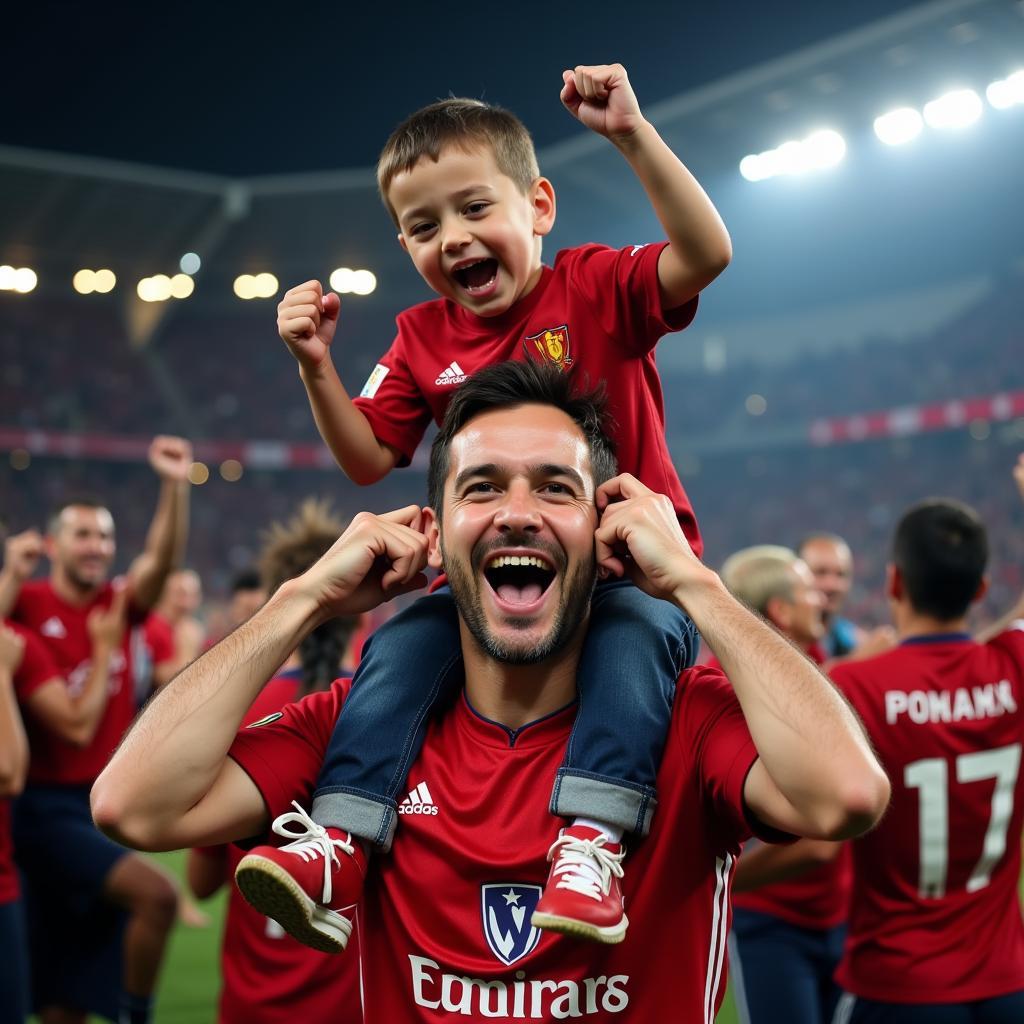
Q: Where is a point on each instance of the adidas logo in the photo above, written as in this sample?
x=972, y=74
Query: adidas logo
x=454, y=374
x=418, y=802
x=53, y=627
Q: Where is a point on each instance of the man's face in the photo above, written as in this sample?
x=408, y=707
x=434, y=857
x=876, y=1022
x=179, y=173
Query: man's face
x=82, y=546
x=517, y=535
x=832, y=565
x=471, y=233
x=806, y=623
x=184, y=593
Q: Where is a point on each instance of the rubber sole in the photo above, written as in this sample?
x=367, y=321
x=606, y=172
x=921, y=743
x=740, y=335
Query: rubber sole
x=275, y=894
x=610, y=936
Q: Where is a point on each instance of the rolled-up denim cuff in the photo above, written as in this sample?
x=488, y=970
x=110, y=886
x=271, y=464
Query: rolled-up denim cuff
x=362, y=814
x=585, y=795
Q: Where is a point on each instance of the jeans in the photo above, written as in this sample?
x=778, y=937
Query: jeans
x=1008, y=1009
x=634, y=650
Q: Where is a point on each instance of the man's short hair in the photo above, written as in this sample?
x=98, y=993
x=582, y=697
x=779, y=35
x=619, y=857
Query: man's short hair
x=246, y=579
x=941, y=549
x=464, y=123
x=832, y=538
x=509, y=384
x=755, y=575
x=75, y=501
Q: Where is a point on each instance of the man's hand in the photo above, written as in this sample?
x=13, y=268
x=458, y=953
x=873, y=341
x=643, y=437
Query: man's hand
x=22, y=553
x=170, y=458
x=107, y=625
x=640, y=537
x=306, y=321
x=600, y=97
x=375, y=559
x=876, y=641
x=12, y=647
x=1018, y=474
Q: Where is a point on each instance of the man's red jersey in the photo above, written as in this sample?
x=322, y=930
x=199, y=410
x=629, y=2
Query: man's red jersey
x=935, y=916
x=445, y=918
x=62, y=628
x=269, y=977
x=597, y=314
x=36, y=668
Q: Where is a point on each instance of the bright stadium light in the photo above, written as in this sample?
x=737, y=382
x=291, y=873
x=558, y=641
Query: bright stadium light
x=956, y=109
x=103, y=281
x=154, y=289
x=899, y=126
x=1007, y=92
x=182, y=286
x=363, y=282
x=25, y=280
x=821, y=149
x=84, y=282
x=266, y=286
x=244, y=286
x=341, y=280
x=190, y=263
x=6, y=278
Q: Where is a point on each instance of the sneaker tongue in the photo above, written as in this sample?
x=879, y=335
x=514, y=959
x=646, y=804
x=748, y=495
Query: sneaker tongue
x=512, y=594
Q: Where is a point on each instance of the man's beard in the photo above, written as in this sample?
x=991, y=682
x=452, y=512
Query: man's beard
x=574, y=601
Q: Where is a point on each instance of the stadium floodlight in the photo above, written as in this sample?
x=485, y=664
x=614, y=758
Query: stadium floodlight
x=957, y=109
x=84, y=282
x=899, y=126
x=25, y=280
x=103, y=281
x=182, y=286
x=190, y=263
x=154, y=289
x=363, y=282
x=341, y=280
x=1007, y=92
x=266, y=286
x=820, y=150
x=244, y=286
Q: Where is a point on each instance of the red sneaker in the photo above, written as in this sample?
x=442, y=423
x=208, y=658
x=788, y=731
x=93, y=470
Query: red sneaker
x=583, y=896
x=310, y=886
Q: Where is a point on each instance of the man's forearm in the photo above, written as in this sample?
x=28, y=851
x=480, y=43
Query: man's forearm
x=165, y=543
x=344, y=428
x=10, y=587
x=13, y=744
x=175, y=750
x=809, y=740
x=766, y=864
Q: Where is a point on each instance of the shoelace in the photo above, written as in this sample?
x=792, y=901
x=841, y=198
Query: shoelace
x=312, y=842
x=585, y=865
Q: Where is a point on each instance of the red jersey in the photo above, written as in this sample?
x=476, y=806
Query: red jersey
x=36, y=668
x=269, y=977
x=597, y=314
x=63, y=630
x=935, y=915
x=445, y=917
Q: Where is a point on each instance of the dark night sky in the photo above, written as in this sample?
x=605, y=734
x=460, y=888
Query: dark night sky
x=294, y=87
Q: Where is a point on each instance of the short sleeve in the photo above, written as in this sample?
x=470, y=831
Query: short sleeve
x=283, y=751
x=711, y=725
x=393, y=404
x=37, y=666
x=621, y=287
x=159, y=639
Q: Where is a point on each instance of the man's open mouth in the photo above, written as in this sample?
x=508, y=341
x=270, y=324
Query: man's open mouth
x=519, y=579
x=476, y=276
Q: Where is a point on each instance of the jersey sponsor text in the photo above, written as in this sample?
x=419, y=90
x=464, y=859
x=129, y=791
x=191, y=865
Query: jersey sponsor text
x=928, y=706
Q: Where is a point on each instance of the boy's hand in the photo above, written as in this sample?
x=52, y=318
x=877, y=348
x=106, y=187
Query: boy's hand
x=306, y=321
x=601, y=97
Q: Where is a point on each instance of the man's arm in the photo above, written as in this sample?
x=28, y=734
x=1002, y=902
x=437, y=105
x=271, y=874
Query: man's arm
x=699, y=249
x=816, y=775
x=171, y=784
x=13, y=743
x=307, y=320
x=206, y=871
x=171, y=458
x=22, y=552
x=766, y=864
x=1016, y=612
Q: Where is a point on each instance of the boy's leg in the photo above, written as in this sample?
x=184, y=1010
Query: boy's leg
x=635, y=648
x=407, y=665
x=632, y=656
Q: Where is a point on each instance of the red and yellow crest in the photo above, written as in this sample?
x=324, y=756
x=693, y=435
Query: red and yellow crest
x=551, y=345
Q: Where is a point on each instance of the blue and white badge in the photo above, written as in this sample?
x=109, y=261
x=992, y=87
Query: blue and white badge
x=506, y=908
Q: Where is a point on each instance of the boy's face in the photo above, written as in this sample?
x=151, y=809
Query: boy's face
x=472, y=235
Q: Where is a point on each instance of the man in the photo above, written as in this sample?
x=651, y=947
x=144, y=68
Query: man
x=936, y=935
x=519, y=470
x=173, y=635
x=75, y=875
x=790, y=903
x=829, y=559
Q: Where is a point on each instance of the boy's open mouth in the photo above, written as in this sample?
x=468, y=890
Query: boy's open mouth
x=519, y=579
x=476, y=276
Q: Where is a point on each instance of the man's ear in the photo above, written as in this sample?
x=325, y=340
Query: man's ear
x=542, y=196
x=893, y=583
x=982, y=589
x=776, y=611
x=432, y=530
x=402, y=242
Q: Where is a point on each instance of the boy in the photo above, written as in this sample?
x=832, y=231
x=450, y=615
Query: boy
x=461, y=182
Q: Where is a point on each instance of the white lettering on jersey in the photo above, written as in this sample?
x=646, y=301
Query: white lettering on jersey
x=77, y=677
x=522, y=998
x=993, y=700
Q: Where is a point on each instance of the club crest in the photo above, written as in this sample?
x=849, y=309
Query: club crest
x=552, y=346
x=506, y=909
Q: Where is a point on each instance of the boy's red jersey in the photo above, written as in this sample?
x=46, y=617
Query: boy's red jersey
x=64, y=631
x=935, y=915
x=597, y=314
x=445, y=920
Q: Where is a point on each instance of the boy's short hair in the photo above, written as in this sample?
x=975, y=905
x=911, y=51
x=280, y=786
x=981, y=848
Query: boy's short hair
x=941, y=550
x=507, y=385
x=757, y=574
x=463, y=123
